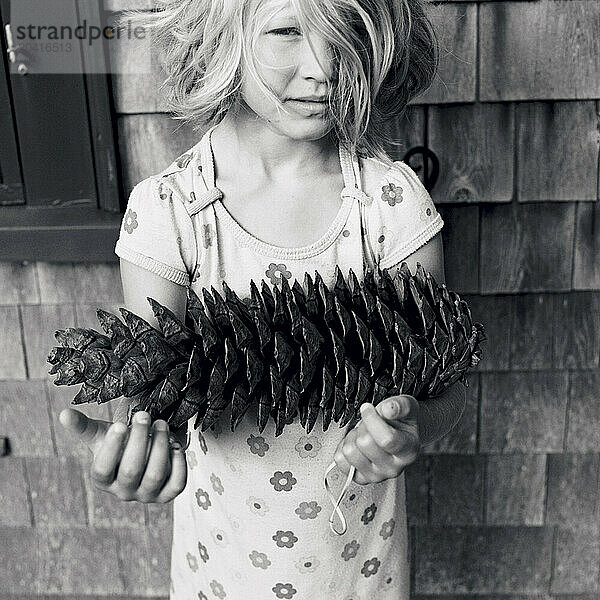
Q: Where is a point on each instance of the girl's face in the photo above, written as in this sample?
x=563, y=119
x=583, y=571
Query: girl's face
x=288, y=66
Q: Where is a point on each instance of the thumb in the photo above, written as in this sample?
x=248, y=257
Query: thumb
x=88, y=430
x=403, y=407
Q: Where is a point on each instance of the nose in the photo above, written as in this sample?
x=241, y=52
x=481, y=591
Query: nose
x=316, y=62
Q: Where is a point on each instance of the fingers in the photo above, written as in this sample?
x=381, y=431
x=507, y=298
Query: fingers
x=76, y=422
x=348, y=454
x=394, y=438
x=105, y=463
x=133, y=463
x=159, y=464
x=177, y=480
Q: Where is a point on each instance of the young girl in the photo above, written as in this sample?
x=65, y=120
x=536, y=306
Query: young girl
x=277, y=186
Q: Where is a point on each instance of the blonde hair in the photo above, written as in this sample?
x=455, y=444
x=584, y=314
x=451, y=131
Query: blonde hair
x=385, y=53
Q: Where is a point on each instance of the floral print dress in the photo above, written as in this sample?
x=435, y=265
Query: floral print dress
x=253, y=520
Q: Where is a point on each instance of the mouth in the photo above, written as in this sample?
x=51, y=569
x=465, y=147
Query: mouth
x=307, y=105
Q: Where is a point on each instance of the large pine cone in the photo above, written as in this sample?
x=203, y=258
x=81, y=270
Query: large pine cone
x=298, y=349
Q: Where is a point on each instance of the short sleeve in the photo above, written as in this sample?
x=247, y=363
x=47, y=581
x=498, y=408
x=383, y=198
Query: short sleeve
x=402, y=216
x=157, y=232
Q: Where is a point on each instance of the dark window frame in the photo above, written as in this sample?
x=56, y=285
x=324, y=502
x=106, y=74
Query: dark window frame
x=76, y=233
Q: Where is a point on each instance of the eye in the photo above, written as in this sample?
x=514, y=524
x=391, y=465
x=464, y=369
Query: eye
x=283, y=30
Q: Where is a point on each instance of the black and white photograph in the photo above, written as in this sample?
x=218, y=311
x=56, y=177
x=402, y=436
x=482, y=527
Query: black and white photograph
x=300, y=300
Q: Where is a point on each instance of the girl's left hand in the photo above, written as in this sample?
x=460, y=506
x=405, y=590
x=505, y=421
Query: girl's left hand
x=384, y=442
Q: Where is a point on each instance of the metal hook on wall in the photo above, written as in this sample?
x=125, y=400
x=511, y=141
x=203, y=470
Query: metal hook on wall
x=429, y=177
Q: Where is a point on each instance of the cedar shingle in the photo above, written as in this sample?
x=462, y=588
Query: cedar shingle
x=583, y=432
x=516, y=486
x=577, y=330
x=14, y=502
x=24, y=418
x=57, y=491
x=586, y=266
x=12, y=357
x=456, y=28
x=557, y=151
x=526, y=247
x=460, y=236
x=457, y=489
x=145, y=558
x=482, y=560
x=520, y=58
x=19, y=283
x=573, y=489
x=475, y=146
x=531, y=332
x=576, y=566
x=523, y=412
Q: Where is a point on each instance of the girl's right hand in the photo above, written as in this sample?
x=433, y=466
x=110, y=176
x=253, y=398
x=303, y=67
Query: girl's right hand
x=127, y=462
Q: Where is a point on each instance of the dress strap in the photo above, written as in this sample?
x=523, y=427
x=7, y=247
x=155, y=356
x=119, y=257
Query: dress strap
x=207, y=166
x=351, y=172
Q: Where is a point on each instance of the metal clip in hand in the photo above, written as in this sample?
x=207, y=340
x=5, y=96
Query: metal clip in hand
x=335, y=503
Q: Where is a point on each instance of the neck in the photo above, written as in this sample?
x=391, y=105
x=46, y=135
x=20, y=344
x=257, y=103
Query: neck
x=270, y=155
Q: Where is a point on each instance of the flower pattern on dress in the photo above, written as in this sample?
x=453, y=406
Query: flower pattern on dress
x=257, y=444
x=284, y=590
x=162, y=195
x=307, y=564
x=350, y=550
x=130, y=222
x=191, y=459
x=192, y=562
x=183, y=161
x=386, y=581
x=426, y=211
x=203, y=499
x=283, y=481
x=285, y=539
x=274, y=269
x=369, y=514
x=387, y=528
x=354, y=494
x=216, y=483
x=308, y=510
x=201, y=595
x=259, y=559
x=207, y=235
x=203, y=552
x=217, y=589
x=370, y=567
x=233, y=465
x=219, y=537
x=258, y=506
x=308, y=446
x=391, y=193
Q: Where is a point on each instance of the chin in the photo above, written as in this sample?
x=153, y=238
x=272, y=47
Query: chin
x=303, y=129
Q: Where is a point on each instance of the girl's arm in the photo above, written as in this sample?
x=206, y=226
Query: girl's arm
x=437, y=417
x=139, y=284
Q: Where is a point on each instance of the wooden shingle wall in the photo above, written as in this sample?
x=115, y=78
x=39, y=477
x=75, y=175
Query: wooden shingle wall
x=508, y=503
